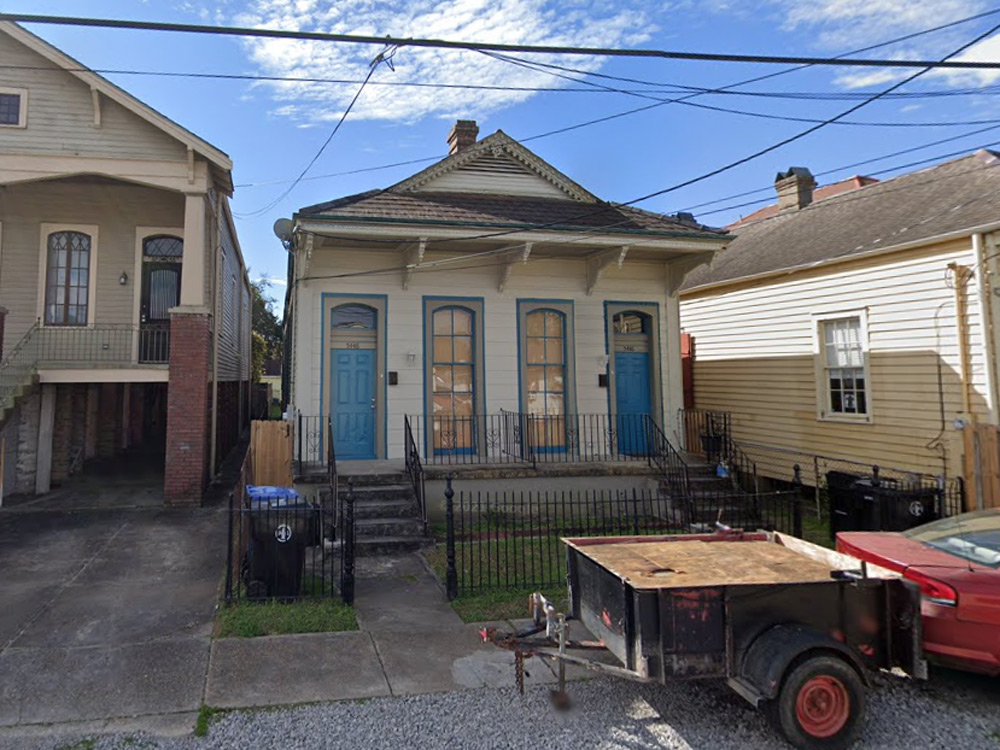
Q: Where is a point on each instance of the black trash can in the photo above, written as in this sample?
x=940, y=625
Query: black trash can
x=282, y=526
x=846, y=513
x=896, y=506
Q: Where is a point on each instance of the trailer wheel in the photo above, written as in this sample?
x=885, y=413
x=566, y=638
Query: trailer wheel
x=821, y=704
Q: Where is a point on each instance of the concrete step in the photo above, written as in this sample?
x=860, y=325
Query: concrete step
x=374, y=480
x=402, y=526
x=389, y=545
x=379, y=492
x=365, y=509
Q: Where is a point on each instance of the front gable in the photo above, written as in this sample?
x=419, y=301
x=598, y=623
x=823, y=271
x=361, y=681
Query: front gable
x=496, y=165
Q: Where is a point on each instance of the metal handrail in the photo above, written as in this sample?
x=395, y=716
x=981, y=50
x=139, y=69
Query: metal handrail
x=668, y=461
x=18, y=367
x=415, y=468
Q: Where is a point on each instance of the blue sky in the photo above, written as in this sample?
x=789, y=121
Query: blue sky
x=272, y=130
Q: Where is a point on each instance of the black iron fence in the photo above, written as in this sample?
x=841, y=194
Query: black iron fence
x=283, y=547
x=511, y=540
x=519, y=438
x=103, y=343
x=312, y=435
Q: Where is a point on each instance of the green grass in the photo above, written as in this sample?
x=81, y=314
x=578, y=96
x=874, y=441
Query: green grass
x=816, y=529
x=205, y=715
x=252, y=619
x=506, y=604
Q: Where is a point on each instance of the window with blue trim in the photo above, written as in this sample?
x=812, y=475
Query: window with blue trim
x=453, y=379
x=545, y=370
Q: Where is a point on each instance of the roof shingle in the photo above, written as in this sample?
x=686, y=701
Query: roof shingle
x=950, y=197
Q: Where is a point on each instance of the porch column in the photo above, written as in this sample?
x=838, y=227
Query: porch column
x=93, y=412
x=673, y=385
x=193, y=267
x=46, y=428
x=188, y=406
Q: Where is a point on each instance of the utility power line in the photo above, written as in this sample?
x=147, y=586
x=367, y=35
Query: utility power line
x=542, y=49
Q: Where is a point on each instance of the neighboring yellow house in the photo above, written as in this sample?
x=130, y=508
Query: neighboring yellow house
x=860, y=326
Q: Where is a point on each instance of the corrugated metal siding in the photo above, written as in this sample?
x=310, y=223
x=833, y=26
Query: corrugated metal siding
x=61, y=115
x=494, y=174
x=755, y=357
x=116, y=210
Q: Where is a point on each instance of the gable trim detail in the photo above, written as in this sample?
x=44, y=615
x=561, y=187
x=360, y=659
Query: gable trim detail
x=498, y=144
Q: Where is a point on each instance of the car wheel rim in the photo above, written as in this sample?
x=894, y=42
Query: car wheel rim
x=823, y=706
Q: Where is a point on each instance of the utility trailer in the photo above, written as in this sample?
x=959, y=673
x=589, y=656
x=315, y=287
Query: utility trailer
x=793, y=628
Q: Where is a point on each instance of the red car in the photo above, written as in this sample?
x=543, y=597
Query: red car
x=956, y=562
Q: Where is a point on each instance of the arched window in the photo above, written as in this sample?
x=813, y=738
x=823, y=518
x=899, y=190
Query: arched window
x=163, y=247
x=453, y=379
x=545, y=343
x=67, y=279
x=353, y=317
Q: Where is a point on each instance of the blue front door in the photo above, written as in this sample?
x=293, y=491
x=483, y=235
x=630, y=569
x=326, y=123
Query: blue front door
x=632, y=400
x=353, y=407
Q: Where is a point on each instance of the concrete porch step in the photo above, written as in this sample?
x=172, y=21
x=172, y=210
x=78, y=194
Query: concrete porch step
x=387, y=526
x=378, y=508
x=392, y=479
x=389, y=545
x=378, y=492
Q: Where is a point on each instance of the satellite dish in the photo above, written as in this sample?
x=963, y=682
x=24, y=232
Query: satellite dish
x=283, y=229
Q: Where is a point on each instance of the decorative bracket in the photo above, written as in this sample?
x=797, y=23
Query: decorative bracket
x=507, y=262
x=306, y=255
x=599, y=263
x=413, y=256
x=677, y=270
x=95, y=98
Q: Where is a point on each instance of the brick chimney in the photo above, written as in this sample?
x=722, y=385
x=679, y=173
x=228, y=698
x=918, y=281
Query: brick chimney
x=463, y=134
x=795, y=188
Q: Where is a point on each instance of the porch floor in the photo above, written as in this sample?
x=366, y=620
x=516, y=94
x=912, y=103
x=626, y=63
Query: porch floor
x=488, y=471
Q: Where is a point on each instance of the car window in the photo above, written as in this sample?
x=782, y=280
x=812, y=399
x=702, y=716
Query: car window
x=971, y=536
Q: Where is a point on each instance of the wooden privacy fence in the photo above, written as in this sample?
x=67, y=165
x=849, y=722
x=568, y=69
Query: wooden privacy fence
x=271, y=448
x=981, y=466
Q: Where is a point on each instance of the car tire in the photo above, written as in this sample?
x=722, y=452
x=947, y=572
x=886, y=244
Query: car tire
x=821, y=704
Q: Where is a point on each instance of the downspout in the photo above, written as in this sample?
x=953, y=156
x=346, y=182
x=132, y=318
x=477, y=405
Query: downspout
x=960, y=275
x=986, y=314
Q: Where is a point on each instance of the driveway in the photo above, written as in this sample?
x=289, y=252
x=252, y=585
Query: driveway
x=106, y=610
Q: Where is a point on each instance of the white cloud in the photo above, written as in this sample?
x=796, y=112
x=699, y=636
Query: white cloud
x=557, y=22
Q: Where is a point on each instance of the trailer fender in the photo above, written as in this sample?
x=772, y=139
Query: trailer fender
x=774, y=650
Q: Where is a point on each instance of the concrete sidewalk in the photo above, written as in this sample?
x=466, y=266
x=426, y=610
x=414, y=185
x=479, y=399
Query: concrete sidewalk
x=411, y=641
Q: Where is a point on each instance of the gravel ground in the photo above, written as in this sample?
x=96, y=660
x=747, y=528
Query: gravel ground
x=951, y=711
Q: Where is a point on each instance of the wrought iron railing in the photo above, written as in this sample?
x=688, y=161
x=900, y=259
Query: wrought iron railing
x=310, y=434
x=513, y=540
x=17, y=369
x=519, y=438
x=709, y=435
x=415, y=468
x=669, y=463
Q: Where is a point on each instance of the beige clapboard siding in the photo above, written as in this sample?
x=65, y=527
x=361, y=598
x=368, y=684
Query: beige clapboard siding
x=232, y=294
x=61, y=115
x=545, y=279
x=115, y=209
x=755, y=358
x=494, y=174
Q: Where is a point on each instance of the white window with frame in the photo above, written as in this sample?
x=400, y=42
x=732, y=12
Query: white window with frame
x=13, y=108
x=845, y=388
x=66, y=285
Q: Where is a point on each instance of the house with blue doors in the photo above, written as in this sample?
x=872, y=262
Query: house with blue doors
x=488, y=310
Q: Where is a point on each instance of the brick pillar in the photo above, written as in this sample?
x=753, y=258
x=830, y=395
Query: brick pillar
x=188, y=406
x=3, y=319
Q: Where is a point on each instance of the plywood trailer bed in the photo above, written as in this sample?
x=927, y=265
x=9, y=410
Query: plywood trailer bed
x=792, y=627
